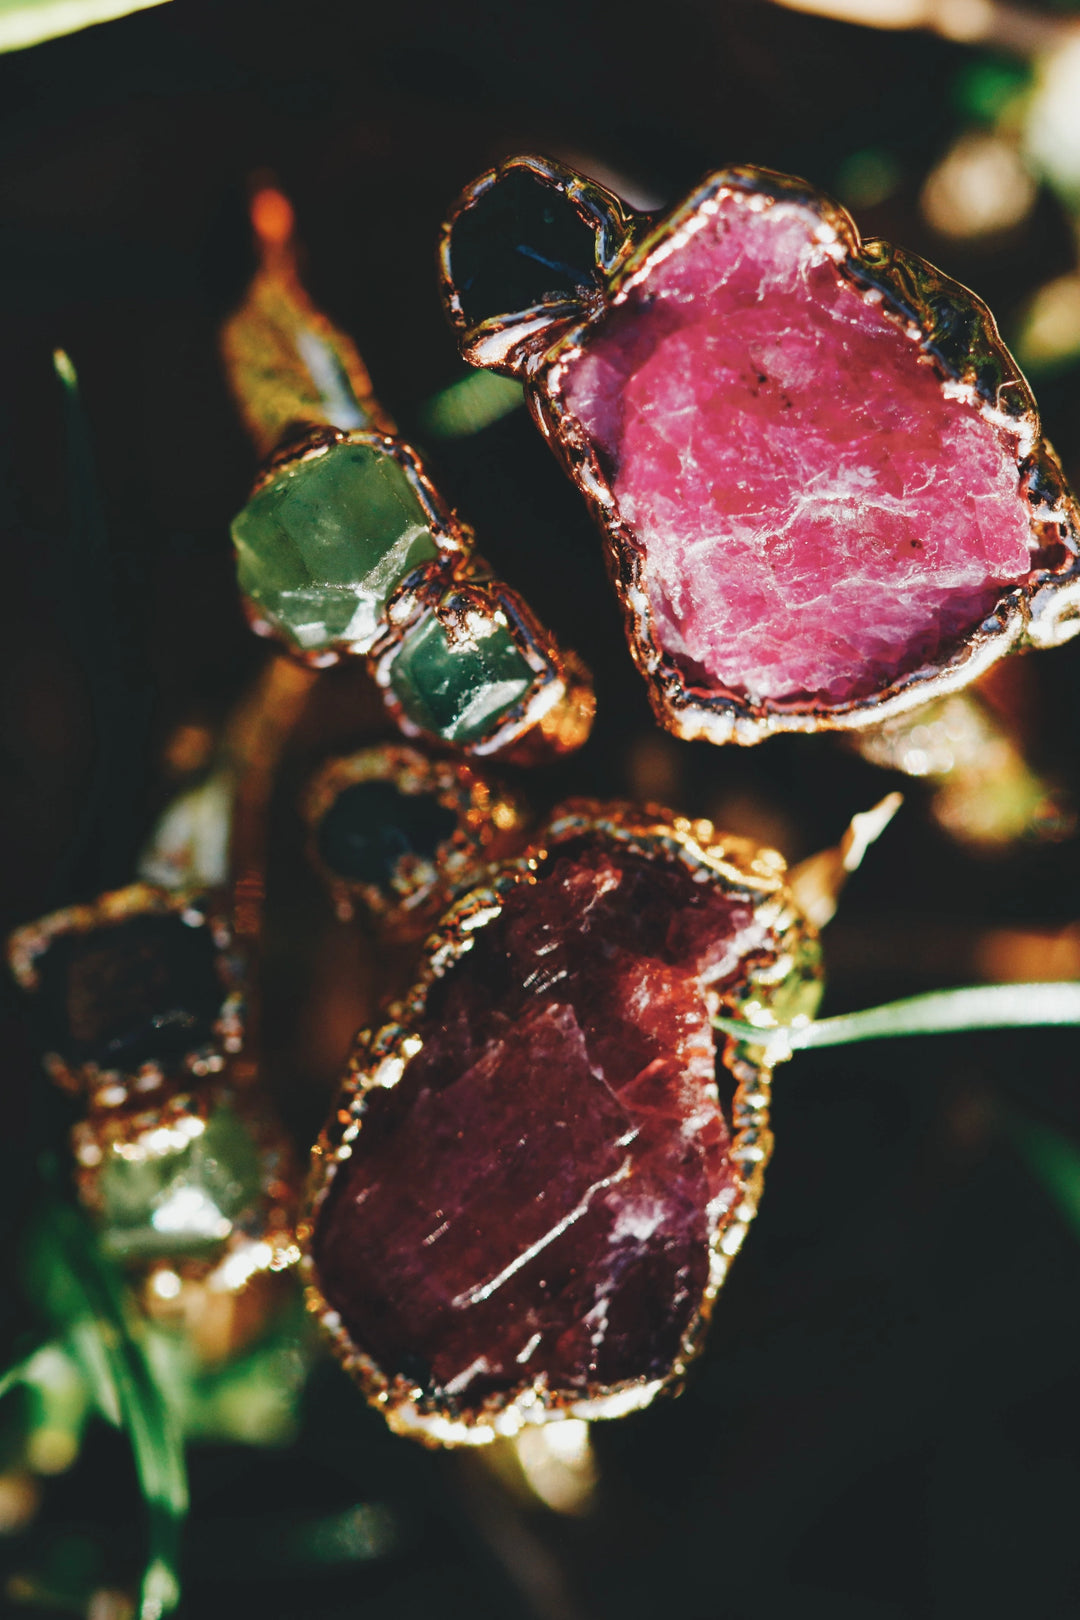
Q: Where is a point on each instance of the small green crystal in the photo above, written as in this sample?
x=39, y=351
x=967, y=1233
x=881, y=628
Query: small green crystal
x=457, y=690
x=182, y=1190
x=322, y=548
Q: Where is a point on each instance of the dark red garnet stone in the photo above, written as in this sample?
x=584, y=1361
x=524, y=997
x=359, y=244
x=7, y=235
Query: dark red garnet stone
x=532, y=1204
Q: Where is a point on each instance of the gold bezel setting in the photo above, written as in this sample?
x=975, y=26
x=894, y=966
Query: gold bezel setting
x=785, y=974
x=488, y=820
x=29, y=943
x=554, y=715
x=954, y=330
x=160, y=1108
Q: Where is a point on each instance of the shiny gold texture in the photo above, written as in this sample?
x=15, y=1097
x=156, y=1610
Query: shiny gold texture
x=553, y=717
x=489, y=823
x=781, y=982
x=953, y=328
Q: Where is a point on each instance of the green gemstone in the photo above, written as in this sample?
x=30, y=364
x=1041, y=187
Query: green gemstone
x=322, y=548
x=185, y=1198
x=459, y=691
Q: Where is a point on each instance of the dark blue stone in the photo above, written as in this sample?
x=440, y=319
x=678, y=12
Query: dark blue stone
x=522, y=242
x=372, y=825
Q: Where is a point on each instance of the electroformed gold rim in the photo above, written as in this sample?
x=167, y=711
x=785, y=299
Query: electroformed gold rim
x=488, y=818
x=554, y=716
x=27, y=944
x=453, y=541
x=510, y=347
x=1043, y=611
x=129, y=1110
x=380, y=1058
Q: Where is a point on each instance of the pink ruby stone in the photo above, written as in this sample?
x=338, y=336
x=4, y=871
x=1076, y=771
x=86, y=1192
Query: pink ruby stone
x=820, y=512
x=531, y=1206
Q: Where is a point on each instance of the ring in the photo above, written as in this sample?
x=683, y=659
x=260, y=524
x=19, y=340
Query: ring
x=530, y=1190
x=396, y=833
x=819, y=473
x=346, y=549
x=137, y=1001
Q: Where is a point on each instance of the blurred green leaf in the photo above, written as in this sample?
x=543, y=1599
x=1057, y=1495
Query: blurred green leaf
x=1053, y=1160
x=86, y=1300
x=65, y=1575
x=988, y=87
x=59, y=1401
x=470, y=405
x=290, y=1543
x=868, y=177
x=14, y=1376
x=251, y=1400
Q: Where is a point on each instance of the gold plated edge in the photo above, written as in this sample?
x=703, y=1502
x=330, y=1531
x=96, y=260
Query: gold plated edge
x=553, y=717
x=261, y=1239
x=380, y=1058
x=28, y=943
x=453, y=539
x=488, y=818
x=510, y=343
x=261, y=340
x=131, y=1112
x=1045, y=611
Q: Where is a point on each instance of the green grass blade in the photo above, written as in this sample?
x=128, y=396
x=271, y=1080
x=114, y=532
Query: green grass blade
x=86, y=1295
x=983, y=1006
x=1053, y=1161
x=96, y=599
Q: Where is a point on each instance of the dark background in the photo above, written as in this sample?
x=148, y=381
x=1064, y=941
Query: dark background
x=887, y=1420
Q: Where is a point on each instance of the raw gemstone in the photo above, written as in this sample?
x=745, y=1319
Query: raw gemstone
x=818, y=516
x=372, y=826
x=145, y=990
x=458, y=689
x=321, y=549
x=180, y=1187
x=521, y=242
x=533, y=1202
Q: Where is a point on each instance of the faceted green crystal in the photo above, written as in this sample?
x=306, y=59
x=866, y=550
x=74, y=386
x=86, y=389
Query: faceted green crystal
x=459, y=690
x=321, y=549
x=183, y=1191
